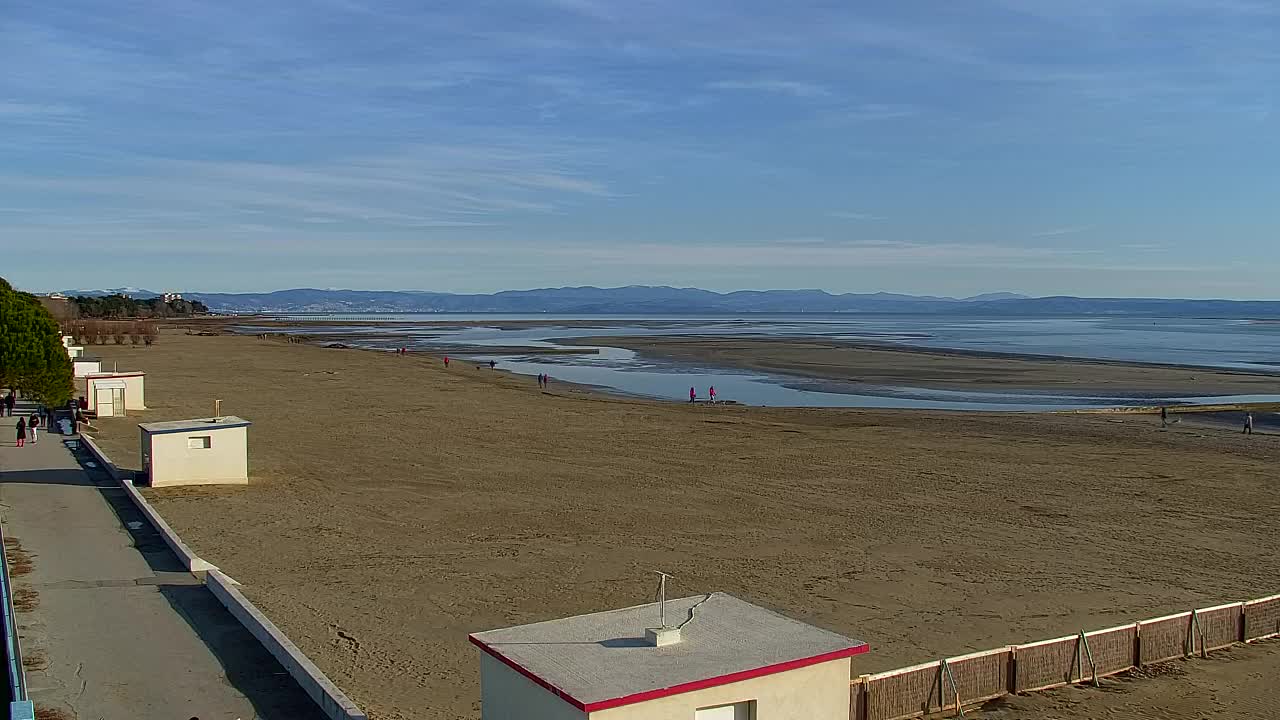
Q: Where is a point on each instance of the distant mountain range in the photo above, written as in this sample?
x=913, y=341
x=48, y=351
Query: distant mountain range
x=649, y=300
x=137, y=293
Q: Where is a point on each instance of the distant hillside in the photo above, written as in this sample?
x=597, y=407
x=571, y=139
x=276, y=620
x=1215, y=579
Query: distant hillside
x=125, y=291
x=671, y=301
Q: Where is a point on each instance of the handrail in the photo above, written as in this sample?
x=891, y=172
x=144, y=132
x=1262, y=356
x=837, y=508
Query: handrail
x=13, y=646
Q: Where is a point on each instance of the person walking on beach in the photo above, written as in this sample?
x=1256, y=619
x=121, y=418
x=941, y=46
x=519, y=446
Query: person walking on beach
x=446, y=362
x=1164, y=417
x=32, y=423
x=693, y=395
x=493, y=364
x=1248, y=423
x=22, y=432
x=712, y=393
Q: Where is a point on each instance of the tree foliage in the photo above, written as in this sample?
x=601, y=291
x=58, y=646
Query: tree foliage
x=32, y=358
x=121, y=306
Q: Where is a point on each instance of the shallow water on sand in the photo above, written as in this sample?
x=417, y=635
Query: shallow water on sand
x=1236, y=344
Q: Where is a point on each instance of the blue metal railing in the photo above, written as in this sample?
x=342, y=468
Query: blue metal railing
x=20, y=707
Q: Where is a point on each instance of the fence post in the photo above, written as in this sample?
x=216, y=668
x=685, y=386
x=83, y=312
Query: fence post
x=1013, y=669
x=1194, y=629
x=1078, y=662
x=1137, y=644
x=1244, y=618
x=862, y=704
x=942, y=688
x=942, y=700
x=1093, y=667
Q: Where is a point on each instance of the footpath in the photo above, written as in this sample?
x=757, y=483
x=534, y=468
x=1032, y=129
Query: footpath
x=113, y=627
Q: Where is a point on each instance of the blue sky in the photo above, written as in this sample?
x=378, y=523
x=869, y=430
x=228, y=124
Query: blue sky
x=1096, y=147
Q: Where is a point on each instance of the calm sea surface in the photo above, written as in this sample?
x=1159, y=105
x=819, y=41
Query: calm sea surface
x=1237, y=344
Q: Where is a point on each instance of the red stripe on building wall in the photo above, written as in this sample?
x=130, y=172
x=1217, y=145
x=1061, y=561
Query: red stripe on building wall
x=674, y=689
x=527, y=673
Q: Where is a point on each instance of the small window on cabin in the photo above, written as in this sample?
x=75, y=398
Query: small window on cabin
x=737, y=711
x=200, y=442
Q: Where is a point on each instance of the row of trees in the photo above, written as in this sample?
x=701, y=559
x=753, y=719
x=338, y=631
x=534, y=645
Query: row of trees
x=32, y=358
x=102, y=332
x=121, y=306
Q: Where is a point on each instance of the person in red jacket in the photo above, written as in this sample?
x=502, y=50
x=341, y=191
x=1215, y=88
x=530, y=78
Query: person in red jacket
x=446, y=362
x=713, y=393
x=693, y=395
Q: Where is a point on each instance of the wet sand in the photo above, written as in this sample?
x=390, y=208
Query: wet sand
x=396, y=507
x=943, y=369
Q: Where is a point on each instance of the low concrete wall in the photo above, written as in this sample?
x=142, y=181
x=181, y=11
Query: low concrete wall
x=331, y=700
x=101, y=457
x=179, y=548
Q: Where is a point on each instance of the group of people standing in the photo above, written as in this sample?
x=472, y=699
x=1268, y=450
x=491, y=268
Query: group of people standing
x=693, y=394
x=27, y=427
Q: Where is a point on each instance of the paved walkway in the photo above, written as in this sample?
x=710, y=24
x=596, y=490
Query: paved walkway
x=120, y=630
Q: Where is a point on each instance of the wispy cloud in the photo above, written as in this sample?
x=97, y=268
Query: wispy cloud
x=1057, y=232
x=794, y=88
x=870, y=112
x=814, y=252
x=11, y=110
x=854, y=215
x=420, y=186
x=802, y=240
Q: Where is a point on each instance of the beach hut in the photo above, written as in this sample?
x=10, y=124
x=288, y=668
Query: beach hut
x=110, y=394
x=73, y=351
x=707, y=657
x=86, y=366
x=205, y=451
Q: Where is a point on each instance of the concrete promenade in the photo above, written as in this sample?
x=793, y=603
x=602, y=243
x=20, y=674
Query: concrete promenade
x=120, y=630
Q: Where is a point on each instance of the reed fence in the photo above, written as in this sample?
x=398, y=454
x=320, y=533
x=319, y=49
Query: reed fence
x=951, y=684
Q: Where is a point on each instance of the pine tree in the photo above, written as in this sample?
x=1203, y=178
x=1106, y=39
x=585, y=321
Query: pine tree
x=32, y=358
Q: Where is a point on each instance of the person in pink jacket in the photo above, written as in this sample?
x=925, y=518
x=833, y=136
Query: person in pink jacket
x=693, y=395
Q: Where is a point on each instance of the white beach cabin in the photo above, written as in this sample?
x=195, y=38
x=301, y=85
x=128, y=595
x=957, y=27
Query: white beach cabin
x=73, y=351
x=86, y=366
x=727, y=660
x=205, y=451
x=111, y=394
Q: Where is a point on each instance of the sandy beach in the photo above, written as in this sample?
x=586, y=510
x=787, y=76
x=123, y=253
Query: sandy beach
x=397, y=506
